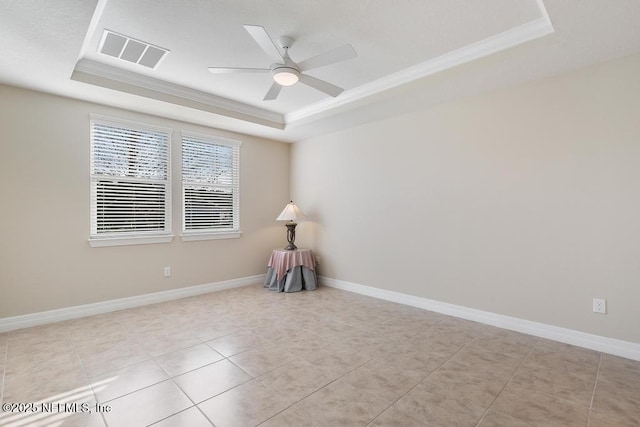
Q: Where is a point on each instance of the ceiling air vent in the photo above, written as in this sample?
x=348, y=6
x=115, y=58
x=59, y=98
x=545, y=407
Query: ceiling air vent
x=131, y=50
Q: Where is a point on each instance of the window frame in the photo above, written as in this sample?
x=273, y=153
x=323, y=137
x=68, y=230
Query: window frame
x=211, y=233
x=129, y=237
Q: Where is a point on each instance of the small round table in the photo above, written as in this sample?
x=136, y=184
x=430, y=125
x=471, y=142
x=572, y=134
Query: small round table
x=291, y=271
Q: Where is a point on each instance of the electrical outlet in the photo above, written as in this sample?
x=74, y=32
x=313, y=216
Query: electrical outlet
x=167, y=271
x=600, y=305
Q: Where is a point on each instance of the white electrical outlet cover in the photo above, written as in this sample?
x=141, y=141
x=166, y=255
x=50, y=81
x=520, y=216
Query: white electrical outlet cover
x=600, y=305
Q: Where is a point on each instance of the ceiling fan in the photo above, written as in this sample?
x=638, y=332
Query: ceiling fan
x=284, y=71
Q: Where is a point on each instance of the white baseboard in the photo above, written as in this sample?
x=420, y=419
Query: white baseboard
x=629, y=350
x=44, y=317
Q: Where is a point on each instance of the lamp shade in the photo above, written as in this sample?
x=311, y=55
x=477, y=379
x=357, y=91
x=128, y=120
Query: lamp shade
x=290, y=213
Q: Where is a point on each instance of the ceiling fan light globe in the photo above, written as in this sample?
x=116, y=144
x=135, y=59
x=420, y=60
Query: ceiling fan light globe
x=286, y=76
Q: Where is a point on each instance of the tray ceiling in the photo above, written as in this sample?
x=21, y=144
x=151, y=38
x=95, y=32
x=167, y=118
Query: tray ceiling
x=406, y=50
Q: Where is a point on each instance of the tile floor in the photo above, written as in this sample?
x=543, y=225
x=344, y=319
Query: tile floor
x=247, y=356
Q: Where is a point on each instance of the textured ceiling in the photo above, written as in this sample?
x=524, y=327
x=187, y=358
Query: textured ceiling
x=411, y=54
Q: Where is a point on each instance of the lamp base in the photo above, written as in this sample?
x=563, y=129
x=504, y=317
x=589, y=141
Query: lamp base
x=291, y=236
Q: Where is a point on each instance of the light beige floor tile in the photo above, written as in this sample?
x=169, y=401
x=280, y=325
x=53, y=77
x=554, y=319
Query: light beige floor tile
x=365, y=343
x=395, y=333
x=216, y=330
x=461, y=327
x=110, y=356
x=186, y=360
x=508, y=343
x=191, y=417
x=50, y=345
x=291, y=417
x=482, y=362
x=359, y=319
x=540, y=409
x=617, y=419
x=297, y=379
x=472, y=393
x=563, y=357
x=341, y=403
x=208, y=381
x=246, y=405
x=168, y=342
x=576, y=387
x=408, y=361
x=147, y=406
x=436, y=340
x=500, y=419
x=45, y=360
x=273, y=331
x=236, y=343
x=410, y=323
x=621, y=401
x=393, y=417
x=487, y=373
x=340, y=363
x=301, y=315
x=114, y=384
x=387, y=383
x=420, y=319
x=45, y=385
x=298, y=333
x=263, y=359
x=45, y=333
x=331, y=329
x=303, y=344
x=624, y=373
x=433, y=409
x=106, y=336
x=92, y=419
x=83, y=420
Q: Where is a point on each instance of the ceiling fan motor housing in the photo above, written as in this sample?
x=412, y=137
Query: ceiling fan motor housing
x=285, y=42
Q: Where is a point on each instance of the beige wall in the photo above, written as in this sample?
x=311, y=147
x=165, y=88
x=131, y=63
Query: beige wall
x=524, y=202
x=45, y=260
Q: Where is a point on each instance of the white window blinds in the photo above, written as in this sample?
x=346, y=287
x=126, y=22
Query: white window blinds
x=210, y=184
x=129, y=179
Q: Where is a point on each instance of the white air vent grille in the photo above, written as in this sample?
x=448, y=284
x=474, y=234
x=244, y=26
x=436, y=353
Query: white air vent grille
x=131, y=50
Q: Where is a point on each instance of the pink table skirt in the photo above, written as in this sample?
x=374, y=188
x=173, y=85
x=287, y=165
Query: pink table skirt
x=282, y=260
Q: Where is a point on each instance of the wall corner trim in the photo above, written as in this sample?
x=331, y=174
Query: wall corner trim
x=44, y=317
x=626, y=349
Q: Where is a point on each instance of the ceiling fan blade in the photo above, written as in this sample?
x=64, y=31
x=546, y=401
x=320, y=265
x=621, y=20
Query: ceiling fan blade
x=261, y=37
x=229, y=70
x=321, y=85
x=273, y=92
x=327, y=58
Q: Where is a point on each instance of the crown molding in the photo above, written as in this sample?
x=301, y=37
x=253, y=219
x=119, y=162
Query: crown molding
x=100, y=74
x=505, y=40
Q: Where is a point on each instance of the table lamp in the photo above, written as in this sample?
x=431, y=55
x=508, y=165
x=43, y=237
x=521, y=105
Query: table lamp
x=290, y=213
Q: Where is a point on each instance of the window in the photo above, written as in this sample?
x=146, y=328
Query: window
x=130, y=183
x=210, y=187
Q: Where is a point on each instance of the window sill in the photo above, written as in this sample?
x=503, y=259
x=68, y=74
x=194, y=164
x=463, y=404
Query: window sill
x=129, y=240
x=194, y=237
